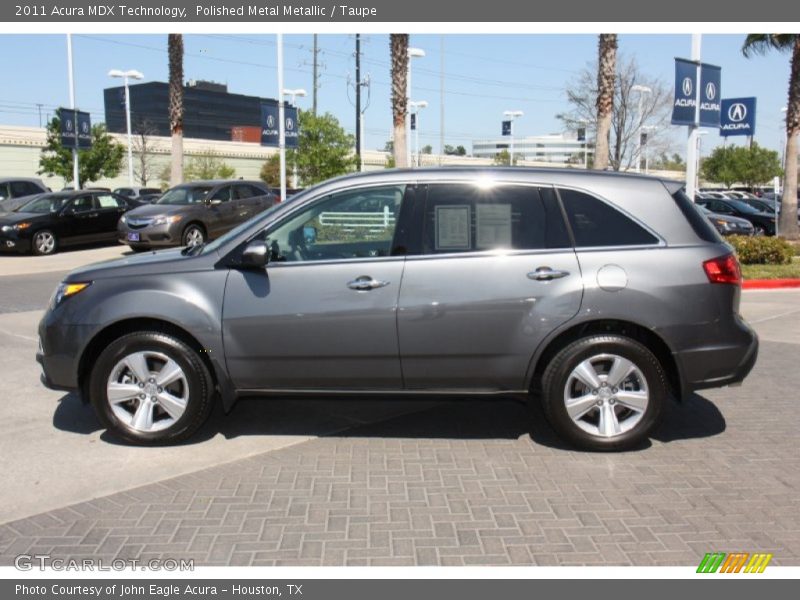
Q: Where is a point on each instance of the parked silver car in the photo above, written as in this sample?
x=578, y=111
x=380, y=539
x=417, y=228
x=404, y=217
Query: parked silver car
x=192, y=213
x=599, y=294
x=16, y=191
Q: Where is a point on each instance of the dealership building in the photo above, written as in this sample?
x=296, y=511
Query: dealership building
x=210, y=111
x=561, y=148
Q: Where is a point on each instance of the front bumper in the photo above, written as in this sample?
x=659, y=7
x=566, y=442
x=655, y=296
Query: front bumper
x=159, y=235
x=12, y=243
x=60, y=349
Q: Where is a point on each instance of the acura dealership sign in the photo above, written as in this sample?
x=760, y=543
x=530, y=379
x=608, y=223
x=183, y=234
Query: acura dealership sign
x=269, y=125
x=738, y=117
x=696, y=101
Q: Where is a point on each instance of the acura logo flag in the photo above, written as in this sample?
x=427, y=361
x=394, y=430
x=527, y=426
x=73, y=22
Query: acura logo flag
x=688, y=90
x=270, y=134
x=76, y=128
x=738, y=117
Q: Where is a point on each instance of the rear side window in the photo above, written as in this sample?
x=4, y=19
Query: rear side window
x=699, y=222
x=595, y=223
x=468, y=218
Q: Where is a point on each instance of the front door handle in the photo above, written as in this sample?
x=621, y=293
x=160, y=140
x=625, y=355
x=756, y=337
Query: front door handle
x=547, y=274
x=366, y=283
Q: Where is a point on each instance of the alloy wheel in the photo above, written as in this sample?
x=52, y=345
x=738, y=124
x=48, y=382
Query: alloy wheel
x=45, y=242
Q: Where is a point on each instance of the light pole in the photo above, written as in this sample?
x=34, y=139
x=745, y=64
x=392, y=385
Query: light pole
x=71, y=77
x=417, y=106
x=646, y=146
x=691, y=146
x=642, y=89
x=699, y=137
x=126, y=75
x=294, y=94
x=512, y=115
x=412, y=54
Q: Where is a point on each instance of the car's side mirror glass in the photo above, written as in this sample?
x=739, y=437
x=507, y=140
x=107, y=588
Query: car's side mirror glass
x=256, y=254
x=310, y=235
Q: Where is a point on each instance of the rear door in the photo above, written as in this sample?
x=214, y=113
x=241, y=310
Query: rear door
x=80, y=219
x=496, y=274
x=110, y=208
x=222, y=211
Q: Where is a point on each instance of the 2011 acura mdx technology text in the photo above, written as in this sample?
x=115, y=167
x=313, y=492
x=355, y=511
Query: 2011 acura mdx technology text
x=600, y=294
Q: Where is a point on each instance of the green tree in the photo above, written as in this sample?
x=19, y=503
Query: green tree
x=751, y=165
x=271, y=171
x=208, y=165
x=504, y=158
x=102, y=160
x=324, y=149
x=761, y=43
x=669, y=163
x=426, y=149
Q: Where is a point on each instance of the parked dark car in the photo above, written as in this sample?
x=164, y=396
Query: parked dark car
x=136, y=191
x=51, y=221
x=598, y=294
x=148, y=198
x=728, y=225
x=16, y=191
x=763, y=223
x=193, y=213
x=761, y=204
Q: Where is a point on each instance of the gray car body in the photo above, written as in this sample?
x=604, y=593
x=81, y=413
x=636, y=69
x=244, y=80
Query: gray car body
x=214, y=219
x=468, y=323
x=12, y=203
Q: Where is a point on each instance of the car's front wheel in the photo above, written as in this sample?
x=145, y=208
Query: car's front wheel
x=194, y=235
x=44, y=242
x=151, y=388
x=604, y=392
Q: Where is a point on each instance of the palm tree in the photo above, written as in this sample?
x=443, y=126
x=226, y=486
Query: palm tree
x=606, y=75
x=175, y=51
x=399, y=51
x=761, y=43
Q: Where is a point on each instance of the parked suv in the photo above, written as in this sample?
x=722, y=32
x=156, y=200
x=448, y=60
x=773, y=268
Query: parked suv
x=192, y=213
x=16, y=191
x=599, y=294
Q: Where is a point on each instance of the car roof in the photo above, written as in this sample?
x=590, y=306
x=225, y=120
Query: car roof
x=30, y=179
x=218, y=182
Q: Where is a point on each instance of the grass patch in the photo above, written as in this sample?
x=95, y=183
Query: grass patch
x=790, y=271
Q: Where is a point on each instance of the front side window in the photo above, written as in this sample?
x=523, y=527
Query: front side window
x=357, y=223
x=223, y=194
x=595, y=223
x=45, y=204
x=83, y=204
x=469, y=218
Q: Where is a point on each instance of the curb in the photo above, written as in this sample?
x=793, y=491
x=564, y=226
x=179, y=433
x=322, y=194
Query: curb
x=770, y=284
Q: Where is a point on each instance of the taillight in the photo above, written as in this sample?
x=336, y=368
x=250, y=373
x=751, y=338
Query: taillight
x=723, y=269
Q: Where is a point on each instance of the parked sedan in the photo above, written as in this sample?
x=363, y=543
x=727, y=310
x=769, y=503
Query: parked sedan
x=53, y=220
x=727, y=225
x=16, y=191
x=764, y=223
x=192, y=213
x=136, y=192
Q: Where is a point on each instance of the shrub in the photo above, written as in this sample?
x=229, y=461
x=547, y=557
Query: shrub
x=762, y=250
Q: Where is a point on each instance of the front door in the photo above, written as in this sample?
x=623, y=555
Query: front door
x=110, y=208
x=80, y=219
x=322, y=316
x=221, y=211
x=496, y=274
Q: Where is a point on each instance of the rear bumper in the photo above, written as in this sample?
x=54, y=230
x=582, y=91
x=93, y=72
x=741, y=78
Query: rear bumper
x=718, y=365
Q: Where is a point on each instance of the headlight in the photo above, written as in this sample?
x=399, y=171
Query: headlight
x=17, y=227
x=6, y=228
x=65, y=290
x=166, y=220
x=123, y=219
x=723, y=224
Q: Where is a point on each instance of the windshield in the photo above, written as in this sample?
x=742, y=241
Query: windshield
x=742, y=206
x=185, y=195
x=44, y=204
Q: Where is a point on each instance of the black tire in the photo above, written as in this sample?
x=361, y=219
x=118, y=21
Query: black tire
x=193, y=229
x=200, y=387
x=36, y=247
x=557, y=375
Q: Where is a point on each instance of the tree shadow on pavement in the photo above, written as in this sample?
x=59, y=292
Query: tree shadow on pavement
x=433, y=418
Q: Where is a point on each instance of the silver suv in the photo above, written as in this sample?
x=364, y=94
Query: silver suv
x=601, y=295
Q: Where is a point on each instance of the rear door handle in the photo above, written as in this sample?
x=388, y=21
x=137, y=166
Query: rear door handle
x=366, y=283
x=547, y=274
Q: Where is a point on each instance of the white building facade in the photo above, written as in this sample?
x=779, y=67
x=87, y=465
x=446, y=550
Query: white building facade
x=559, y=149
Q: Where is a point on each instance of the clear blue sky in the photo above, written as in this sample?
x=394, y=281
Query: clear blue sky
x=484, y=75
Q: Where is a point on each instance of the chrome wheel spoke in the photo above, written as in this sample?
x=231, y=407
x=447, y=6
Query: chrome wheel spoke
x=586, y=373
x=143, y=417
x=620, y=370
x=169, y=373
x=122, y=392
x=137, y=363
x=578, y=407
x=173, y=405
x=636, y=401
x=608, y=424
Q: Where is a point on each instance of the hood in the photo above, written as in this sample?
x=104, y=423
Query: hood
x=11, y=218
x=154, y=263
x=158, y=210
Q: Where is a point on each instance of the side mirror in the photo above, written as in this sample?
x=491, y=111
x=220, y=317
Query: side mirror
x=309, y=235
x=255, y=255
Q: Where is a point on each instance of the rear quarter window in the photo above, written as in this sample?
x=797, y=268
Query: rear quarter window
x=596, y=224
x=699, y=222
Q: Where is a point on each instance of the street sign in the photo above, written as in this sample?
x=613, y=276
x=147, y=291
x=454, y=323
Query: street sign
x=738, y=117
x=581, y=134
x=76, y=128
x=685, y=109
x=413, y=121
x=506, y=128
x=270, y=134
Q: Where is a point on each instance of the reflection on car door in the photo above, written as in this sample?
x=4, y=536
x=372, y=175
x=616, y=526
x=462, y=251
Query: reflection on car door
x=221, y=211
x=110, y=208
x=496, y=275
x=323, y=313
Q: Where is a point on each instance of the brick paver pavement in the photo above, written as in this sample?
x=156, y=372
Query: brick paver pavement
x=469, y=482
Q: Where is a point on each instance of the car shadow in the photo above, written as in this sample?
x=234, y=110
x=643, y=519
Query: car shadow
x=432, y=418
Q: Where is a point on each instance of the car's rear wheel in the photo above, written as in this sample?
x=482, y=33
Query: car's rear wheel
x=44, y=242
x=604, y=392
x=193, y=235
x=151, y=388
